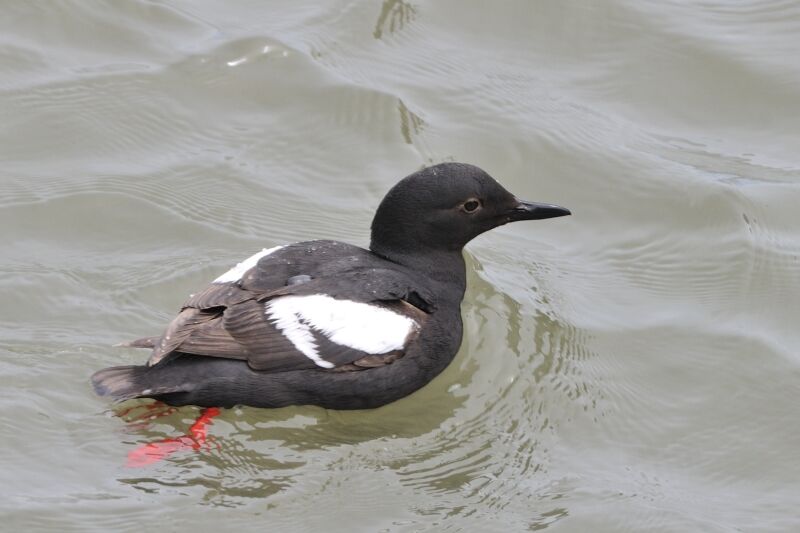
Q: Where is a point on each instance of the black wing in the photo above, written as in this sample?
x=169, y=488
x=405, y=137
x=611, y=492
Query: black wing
x=238, y=320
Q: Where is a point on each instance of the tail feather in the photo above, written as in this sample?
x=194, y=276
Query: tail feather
x=126, y=382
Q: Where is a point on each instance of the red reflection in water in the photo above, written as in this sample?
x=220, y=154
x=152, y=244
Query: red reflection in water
x=152, y=452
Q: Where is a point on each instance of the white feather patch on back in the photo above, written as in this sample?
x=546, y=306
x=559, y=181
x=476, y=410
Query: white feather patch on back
x=236, y=273
x=365, y=327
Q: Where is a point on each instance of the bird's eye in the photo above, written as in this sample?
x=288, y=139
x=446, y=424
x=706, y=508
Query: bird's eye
x=471, y=205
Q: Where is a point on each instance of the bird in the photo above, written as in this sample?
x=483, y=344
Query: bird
x=328, y=323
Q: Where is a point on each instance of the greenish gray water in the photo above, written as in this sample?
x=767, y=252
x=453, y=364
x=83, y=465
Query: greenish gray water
x=634, y=367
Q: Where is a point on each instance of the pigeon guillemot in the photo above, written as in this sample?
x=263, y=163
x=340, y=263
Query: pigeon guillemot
x=328, y=323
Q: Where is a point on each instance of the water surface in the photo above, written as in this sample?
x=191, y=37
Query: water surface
x=634, y=367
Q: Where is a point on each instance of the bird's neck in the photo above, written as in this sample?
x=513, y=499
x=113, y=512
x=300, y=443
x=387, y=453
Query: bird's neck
x=446, y=266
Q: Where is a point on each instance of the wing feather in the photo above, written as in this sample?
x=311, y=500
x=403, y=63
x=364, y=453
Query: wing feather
x=231, y=319
x=213, y=339
x=178, y=331
x=267, y=347
x=218, y=295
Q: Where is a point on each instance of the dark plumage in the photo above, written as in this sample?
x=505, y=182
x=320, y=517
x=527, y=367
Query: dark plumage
x=328, y=323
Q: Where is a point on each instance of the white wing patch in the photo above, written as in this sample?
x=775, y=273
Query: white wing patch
x=361, y=326
x=236, y=273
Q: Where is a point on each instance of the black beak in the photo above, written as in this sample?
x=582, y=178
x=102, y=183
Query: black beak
x=536, y=211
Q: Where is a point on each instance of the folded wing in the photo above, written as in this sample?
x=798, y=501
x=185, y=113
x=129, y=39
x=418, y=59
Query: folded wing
x=362, y=318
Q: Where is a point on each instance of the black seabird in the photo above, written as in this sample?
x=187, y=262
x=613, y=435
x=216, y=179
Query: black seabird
x=328, y=323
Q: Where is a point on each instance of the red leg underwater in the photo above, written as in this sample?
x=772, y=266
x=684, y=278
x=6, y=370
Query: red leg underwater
x=153, y=452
